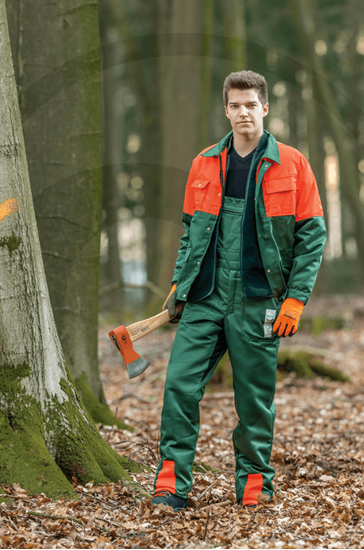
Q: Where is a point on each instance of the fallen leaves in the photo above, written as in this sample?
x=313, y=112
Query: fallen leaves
x=318, y=454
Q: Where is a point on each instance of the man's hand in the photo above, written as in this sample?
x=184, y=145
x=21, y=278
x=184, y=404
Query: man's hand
x=287, y=321
x=170, y=304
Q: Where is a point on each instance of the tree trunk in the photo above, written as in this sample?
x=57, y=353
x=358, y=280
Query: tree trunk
x=294, y=103
x=207, y=63
x=110, y=163
x=345, y=144
x=316, y=157
x=143, y=75
x=57, y=67
x=47, y=437
x=181, y=122
x=235, y=32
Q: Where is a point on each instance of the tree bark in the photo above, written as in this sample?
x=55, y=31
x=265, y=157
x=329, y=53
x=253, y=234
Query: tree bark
x=47, y=437
x=57, y=67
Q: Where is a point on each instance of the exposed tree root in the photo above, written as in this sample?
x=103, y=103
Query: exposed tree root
x=307, y=365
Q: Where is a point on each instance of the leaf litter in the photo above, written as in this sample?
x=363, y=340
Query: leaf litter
x=318, y=454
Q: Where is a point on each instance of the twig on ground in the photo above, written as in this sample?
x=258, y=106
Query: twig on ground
x=40, y=514
x=207, y=523
x=224, y=503
x=108, y=521
x=135, y=396
x=206, y=490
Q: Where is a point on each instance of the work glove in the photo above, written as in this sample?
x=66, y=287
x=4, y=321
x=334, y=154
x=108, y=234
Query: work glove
x=286, y=323
x=171, y=303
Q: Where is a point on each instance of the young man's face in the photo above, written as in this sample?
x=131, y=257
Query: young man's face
x=246, y=112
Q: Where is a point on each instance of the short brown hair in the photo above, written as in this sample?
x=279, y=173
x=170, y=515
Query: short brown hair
x=246, y=80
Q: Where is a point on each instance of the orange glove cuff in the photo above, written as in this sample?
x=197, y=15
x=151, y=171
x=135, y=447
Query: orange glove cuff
x=287, y=321
x=174, y=287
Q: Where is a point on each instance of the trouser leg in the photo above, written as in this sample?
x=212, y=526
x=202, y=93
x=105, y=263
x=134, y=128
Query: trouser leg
x=199, y=344
x=254, y=363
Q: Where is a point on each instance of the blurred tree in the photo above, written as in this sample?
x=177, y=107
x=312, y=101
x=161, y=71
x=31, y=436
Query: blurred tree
x=47, y=437
x=233, y=18
x=57, y=68
x=207, y=66
x=140, y=38
x=111, y=158
x=304, y=14
x=181, y=88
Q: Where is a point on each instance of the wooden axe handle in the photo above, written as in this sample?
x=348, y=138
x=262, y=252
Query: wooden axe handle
x=141, y=328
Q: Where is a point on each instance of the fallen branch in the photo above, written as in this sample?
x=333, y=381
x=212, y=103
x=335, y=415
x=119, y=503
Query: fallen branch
x=55, y=517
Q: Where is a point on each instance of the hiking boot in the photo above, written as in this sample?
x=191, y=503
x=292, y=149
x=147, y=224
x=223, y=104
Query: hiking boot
x=168, y=499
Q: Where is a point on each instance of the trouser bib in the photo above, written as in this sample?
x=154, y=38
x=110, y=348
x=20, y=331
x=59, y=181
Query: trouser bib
x=207, y=329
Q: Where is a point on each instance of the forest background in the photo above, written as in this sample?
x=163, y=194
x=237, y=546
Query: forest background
x=117, y=98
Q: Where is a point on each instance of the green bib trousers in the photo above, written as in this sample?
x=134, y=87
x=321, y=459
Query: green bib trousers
x=207, y=329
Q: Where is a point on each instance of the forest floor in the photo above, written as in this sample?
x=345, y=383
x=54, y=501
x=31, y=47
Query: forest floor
x=318, y=454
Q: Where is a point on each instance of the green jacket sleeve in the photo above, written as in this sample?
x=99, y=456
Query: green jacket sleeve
x=185, y=240
x=309, y=237
x=186, y=219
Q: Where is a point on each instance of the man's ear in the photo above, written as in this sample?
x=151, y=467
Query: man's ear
x=266, y=109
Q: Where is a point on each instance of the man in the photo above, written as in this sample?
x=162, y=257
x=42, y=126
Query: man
x=247, y=263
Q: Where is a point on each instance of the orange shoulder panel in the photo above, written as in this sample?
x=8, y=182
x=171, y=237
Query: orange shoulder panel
x=203, y=189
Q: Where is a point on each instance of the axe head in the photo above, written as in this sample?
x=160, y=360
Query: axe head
x=135, y=364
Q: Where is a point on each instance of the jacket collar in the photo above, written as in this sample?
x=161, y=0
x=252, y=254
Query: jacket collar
x=271, y=151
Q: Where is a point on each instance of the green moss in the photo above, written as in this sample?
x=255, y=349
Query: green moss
x=11, y=377
x=84, y=453
x=202, y=467
x=12, y=242
x=24, y=458
x=8, y=500
x=99, y=413
x=306, y=365
x=318, y=325
x=324, y=370
x=80, y=451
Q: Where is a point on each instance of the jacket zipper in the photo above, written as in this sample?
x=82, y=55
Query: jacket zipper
x=242, y=223
x=223, y=186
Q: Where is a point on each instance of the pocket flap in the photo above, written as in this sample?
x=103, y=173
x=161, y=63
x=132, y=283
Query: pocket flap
x=200, y=184
x=187, y=254
x=281, y=184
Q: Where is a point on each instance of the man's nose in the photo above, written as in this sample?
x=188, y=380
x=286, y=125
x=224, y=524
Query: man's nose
x=243, y=111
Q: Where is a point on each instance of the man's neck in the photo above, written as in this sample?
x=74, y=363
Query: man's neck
x=243, y=145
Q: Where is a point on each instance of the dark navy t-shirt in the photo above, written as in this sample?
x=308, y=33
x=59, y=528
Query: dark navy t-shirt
x=237, y=175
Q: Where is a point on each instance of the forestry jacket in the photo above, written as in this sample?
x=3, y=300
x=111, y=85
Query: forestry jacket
x=285, y=220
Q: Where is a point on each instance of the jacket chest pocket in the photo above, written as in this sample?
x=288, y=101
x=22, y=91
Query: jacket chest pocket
x=201, y=188
x=206, y=195
x=280, y=196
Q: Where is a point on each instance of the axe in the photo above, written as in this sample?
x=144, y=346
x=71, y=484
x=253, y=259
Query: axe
x=123, y=337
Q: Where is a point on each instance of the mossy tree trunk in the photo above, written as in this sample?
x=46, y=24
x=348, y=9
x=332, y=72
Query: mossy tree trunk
x=47, y=437
x=57, y=68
